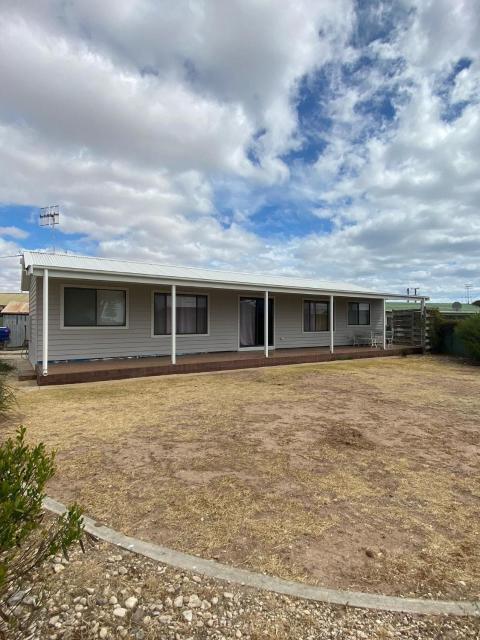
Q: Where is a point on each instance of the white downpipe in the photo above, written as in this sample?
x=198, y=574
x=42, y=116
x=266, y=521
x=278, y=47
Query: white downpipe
x=174, y=324
x=384, y=325
x=45, y=324
x=331, y=322
x=265, y=316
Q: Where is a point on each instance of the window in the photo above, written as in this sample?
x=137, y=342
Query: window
x=84, y=307
x=358, y=313
x=192, y=314
x=316, y=315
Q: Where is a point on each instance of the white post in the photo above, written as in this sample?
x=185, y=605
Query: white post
x=265, y=316
x=45, y=324
x=384, y=325
x=174, y=323
x=331, y=323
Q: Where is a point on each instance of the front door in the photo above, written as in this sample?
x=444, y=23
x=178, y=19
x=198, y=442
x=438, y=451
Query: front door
x=252, y=323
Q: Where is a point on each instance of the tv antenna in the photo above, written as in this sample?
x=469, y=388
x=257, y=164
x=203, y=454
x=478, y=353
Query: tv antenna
x=468, y=287
x=50, y=217
x=412, y=289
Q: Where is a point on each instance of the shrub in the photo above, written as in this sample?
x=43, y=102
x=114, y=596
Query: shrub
x=441, y=332
x=26, y=541
x=469, y=333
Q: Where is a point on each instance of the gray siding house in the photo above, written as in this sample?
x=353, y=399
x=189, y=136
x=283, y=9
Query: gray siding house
x=86, y=308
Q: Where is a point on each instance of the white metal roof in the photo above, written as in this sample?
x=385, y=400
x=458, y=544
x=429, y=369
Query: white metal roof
x=88, y=267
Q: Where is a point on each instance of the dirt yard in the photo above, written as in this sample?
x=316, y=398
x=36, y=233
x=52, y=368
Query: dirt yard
x=357, y=475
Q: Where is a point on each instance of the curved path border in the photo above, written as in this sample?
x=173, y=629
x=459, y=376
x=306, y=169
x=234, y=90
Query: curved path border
x=243, y=577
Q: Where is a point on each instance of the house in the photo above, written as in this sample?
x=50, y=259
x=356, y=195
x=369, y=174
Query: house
x=15, y=316
x=86, y=308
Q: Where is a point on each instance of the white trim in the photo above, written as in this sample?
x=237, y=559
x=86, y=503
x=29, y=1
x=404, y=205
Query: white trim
x=100, y=326
x=302, y=319
x=45, y=324
x=178, y=294
x=258, y=347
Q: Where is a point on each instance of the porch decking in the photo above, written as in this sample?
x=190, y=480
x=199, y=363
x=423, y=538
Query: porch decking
x=120, y=368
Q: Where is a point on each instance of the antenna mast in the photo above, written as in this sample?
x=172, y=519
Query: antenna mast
x=50, y=217
x=467, y=292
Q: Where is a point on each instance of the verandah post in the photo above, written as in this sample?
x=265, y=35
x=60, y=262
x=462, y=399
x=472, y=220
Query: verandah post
x=174, y=323
x=45, y=324
x=265, y=317
x=384, y=325
x=331, y=323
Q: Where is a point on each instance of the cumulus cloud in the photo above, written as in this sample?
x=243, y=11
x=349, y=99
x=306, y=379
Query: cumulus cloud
x=166, y=130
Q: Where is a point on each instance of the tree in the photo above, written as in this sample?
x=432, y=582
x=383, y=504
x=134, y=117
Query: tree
x=469, y=333
x=26, y=538
x=477, y=302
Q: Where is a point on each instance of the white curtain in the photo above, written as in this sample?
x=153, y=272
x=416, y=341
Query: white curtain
x=247, y=322
x=186, y=314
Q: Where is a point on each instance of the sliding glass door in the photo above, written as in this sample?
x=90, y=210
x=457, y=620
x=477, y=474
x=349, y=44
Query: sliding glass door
x=252, y=322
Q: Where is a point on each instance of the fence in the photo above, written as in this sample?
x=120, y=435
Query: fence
x=408, y=328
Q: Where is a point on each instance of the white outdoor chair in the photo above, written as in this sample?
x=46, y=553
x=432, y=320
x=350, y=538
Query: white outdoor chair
x=361, y=340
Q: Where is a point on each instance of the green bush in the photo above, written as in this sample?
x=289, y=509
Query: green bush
x=441, y=332
x=26, y=540
x=469, y=333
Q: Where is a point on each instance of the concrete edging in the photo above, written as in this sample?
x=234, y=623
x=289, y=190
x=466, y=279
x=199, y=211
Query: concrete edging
x=243, y=577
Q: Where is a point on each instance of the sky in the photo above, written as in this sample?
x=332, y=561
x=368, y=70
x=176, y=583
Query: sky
x=325, y=138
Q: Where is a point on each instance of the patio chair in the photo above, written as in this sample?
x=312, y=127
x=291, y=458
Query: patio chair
x=361, y=340
x=376, y=340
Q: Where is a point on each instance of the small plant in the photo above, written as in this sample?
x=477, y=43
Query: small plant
x=469, y=333
x=26, y=541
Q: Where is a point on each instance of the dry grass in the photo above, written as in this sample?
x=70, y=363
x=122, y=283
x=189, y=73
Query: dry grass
x=295, y=471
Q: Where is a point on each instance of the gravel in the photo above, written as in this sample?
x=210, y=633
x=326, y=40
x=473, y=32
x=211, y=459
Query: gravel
x=93, y=599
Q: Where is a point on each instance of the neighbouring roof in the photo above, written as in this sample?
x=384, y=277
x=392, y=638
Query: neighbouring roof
x=74, y=266
x=15, y=308
x=445, y=308
x=6, y=297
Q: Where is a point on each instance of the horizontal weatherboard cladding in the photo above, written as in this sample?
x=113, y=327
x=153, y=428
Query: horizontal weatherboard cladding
x=137, y=339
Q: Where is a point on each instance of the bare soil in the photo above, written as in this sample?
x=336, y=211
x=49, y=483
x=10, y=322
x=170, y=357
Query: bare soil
x=356, y=475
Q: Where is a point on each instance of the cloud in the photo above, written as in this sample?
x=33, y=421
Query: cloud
x=13, y=232
x=333, y=138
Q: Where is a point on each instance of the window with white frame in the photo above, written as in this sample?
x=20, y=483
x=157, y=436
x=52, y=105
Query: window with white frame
x=89, y=307
x=358, y=313
x=316, y=316
x=191, y=313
